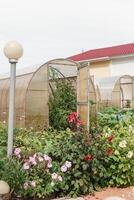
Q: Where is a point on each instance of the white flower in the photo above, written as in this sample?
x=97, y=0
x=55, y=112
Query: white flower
x=60, y=178
x=26, y=166
x=123, y=144
x=130, y=128
x=68, y=164
x=33, y=184
x=130, y=154
x=63, y=168
x=52, y=183
x=54, y=176
x=40, y=159
x=116, y=152
x=25, y=185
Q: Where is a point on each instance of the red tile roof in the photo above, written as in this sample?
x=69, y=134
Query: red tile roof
x=105, y=52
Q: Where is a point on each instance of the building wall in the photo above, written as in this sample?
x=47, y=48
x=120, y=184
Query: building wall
x=100, y=68
x=122, y=66
x=115, y=67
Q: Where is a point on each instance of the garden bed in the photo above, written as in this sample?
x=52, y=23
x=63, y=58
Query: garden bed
x=56, y=163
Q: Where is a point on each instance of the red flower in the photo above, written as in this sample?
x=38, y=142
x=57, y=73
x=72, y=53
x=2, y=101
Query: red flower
x=88, y=157
x=72, y=117
x=74, y=114
x=79, y=122
x=109, y=151
x=110, y=138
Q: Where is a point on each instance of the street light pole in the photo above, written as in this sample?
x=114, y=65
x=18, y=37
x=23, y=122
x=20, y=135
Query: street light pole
x=11, y=106
x=13, y=51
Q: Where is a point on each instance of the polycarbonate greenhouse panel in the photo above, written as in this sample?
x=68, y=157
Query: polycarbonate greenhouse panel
x=33, y=90
x=115, y=91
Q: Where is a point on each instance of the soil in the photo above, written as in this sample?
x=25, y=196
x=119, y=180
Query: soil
x=126, y=193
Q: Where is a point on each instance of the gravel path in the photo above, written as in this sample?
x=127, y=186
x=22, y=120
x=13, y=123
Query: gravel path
x=108, y=194
x=125, y=193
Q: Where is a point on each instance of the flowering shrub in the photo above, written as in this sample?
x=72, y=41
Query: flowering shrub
x=116, y=145
x=121, y=158
x=35, y=175
x=57, y=163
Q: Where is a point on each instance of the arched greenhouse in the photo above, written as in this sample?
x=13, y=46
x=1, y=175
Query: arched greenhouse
x=115, y=91
x=33, y=86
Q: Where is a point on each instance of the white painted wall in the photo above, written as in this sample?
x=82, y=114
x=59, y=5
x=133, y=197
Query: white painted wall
x=122, y=66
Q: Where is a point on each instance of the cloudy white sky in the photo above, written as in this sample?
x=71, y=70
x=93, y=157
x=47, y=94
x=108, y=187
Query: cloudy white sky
x=50, y=29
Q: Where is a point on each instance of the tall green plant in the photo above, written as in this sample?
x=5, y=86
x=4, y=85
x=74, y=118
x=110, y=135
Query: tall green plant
x=61, y=103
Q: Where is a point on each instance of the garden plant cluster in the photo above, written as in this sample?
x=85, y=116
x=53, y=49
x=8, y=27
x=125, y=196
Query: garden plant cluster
x=55, y=163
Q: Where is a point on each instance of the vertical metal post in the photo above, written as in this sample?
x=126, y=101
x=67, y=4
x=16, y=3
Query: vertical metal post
x=77, y=89
x=88, y=97
x=48, y=91
x=11, y=108
x=132, y=92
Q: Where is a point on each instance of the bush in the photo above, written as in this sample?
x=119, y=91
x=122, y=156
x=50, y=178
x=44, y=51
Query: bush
x=70, y=163
x=112, y=117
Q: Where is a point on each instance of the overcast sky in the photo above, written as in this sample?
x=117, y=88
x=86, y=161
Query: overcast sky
x=50, y=29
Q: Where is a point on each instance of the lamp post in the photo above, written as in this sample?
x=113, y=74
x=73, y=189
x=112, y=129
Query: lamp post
x=13, y=51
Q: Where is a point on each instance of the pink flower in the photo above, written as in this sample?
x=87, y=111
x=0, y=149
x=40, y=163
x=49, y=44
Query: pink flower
x=47, y=158
x=49, y=164
x=54, y=176
x=26, y=166
x=63, y=168
x=25, y=185
x=32, y=160
x=17, y=151
x=33, y=184
x=68, y=164
x=60, y=178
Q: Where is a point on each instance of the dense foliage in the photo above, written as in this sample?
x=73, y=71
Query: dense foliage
x=57, y=163
x=61, y=103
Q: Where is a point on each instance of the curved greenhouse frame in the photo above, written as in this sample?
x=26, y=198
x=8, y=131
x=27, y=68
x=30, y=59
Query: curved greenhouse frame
x=33, y=86
x=116, y=91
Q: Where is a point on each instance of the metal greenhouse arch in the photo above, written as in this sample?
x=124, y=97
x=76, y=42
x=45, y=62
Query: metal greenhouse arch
x=32, y=91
